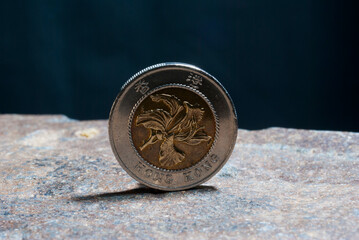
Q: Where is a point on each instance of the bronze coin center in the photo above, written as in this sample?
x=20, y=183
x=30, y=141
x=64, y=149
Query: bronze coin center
x=173, y=128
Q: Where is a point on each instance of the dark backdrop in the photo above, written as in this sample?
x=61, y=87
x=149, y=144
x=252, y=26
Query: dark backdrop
x=285, y=63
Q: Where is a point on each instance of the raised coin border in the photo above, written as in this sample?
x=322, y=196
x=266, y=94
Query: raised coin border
x=163, y=179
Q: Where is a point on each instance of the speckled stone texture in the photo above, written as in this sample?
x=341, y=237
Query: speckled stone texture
x=59, y=179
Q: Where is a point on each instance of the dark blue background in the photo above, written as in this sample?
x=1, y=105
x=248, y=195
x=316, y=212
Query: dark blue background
x=285, y=63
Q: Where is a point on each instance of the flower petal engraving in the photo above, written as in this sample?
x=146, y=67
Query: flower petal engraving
x=179, y=124
x=154, y=119
x=173, y=103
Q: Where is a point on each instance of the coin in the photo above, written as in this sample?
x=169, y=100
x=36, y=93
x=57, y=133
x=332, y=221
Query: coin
x=173, y=126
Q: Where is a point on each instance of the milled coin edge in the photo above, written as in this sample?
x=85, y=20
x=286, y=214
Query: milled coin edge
x=191, y=68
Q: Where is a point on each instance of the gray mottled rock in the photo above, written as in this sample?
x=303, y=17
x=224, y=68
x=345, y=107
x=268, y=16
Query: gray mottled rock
x=59, y=179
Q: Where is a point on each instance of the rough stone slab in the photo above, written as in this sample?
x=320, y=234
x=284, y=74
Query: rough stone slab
x=59, y=179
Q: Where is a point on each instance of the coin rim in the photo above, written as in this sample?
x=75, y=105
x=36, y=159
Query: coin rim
x=180, y=66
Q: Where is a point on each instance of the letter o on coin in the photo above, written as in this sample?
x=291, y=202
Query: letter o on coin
x=173, y=126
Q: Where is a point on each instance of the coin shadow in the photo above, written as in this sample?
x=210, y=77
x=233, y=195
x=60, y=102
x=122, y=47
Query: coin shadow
x=139, y=193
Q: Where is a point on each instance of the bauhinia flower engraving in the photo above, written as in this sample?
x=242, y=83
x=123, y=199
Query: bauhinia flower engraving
x=180, y=124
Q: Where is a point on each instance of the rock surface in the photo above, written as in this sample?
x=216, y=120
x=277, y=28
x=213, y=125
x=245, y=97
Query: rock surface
x=59, y=179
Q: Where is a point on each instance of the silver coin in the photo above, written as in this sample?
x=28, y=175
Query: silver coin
x=173, y=126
